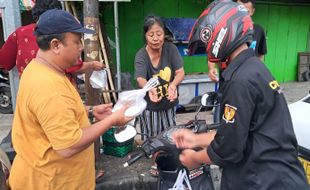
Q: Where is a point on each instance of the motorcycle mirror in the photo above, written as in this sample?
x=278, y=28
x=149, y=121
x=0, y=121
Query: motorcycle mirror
x=204, y=99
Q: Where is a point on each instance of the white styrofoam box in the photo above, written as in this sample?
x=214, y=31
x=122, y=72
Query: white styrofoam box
x=194, y=85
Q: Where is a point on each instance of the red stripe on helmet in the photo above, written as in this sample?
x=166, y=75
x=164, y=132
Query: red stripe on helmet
x=247, y=24
x=205, y=12
x=220, y=25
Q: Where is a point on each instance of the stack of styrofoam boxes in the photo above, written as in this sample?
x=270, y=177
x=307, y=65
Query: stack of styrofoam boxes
x=303, y=66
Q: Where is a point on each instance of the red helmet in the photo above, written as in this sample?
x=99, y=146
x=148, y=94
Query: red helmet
x=222, y=27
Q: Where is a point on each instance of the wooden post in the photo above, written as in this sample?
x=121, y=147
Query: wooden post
x=91, y=53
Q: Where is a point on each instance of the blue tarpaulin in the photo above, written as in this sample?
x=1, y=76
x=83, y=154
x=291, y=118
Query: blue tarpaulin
x=180, y=28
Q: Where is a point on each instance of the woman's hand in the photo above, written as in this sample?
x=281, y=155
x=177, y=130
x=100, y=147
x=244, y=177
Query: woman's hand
x=154, y=96
x=102, y=111
x=172, y=92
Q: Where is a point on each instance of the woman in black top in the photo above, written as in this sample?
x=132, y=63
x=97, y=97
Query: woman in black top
x=161, y=59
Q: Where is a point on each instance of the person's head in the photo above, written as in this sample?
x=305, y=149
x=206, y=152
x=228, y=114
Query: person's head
x=153, y=31
x=43, y=5
x=249, y=4
x=59, y=32
x=223, y=27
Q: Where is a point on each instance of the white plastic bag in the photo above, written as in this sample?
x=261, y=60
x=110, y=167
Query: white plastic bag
x=98, y=79
x=135, y=98
x=178, y=185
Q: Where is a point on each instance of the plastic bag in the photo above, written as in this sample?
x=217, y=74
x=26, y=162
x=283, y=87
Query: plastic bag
x=178, y=185
x=135, y=98
x=98, y=79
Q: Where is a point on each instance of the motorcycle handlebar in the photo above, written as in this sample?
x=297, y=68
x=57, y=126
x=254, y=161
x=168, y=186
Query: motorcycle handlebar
x=213, y=126
x=202, y=127
x=208, y=127
x=149, y=146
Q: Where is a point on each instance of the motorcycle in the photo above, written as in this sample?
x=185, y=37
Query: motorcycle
x=167, y=159
x=5, y=94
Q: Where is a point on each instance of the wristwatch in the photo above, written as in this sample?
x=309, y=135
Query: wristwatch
x=91, y=114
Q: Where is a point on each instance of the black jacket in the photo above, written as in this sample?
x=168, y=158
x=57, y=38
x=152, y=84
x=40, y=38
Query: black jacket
x=255, y=143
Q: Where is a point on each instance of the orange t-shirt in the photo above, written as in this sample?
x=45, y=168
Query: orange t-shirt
x=49, y=116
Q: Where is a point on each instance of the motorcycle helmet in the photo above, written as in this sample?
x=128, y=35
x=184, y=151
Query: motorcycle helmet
x=222, y=27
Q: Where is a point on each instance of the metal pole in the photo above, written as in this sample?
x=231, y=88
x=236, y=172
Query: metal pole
x=118, y=64
x=11, y=20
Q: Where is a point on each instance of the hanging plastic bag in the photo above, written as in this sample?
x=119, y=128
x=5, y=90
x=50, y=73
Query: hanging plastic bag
x=179, y=182
x=98, y=79
x=135, y=98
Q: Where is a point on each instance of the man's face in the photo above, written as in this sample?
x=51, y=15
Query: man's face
x=71, y=48
x=249, y=6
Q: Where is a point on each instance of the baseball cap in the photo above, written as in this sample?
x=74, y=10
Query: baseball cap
x=56, y=21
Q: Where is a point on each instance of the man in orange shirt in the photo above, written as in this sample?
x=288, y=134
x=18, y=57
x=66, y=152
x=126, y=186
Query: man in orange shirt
x=51, y=133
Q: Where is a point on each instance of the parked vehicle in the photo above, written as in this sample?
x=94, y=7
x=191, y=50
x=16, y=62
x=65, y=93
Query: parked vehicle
x=167, y=160
x=5, y=94
x=300, y=116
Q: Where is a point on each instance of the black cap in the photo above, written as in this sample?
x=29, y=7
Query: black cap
x=56, y=21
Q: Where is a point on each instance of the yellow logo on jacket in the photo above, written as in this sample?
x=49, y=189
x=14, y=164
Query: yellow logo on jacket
x=229, y=113
x=274, y=85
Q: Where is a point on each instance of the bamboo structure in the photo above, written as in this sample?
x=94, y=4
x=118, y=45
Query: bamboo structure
x=109, y=92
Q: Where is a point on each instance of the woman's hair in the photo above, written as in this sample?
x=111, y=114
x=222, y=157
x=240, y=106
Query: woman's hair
x=149, y=21
x=43, y=5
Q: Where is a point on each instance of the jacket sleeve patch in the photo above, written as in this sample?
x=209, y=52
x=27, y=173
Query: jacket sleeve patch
x=229, y=113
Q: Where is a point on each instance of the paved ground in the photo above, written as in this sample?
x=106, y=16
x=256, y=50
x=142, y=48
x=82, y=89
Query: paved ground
x=294, y=91
x=117, y=176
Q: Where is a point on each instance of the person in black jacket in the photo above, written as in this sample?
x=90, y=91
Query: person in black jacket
x=255, y=143
x=259, y=40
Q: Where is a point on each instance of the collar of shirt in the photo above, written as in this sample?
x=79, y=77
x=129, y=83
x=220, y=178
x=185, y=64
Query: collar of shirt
x=235, y=63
